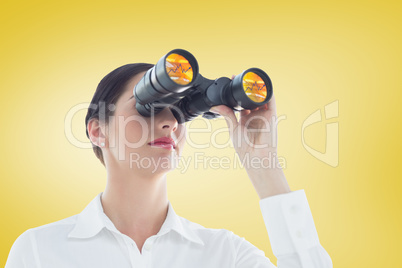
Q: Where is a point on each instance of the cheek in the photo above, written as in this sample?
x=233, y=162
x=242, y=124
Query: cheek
x=134, y=130
x=181, y=133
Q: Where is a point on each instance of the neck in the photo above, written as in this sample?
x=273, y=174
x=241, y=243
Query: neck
x=136, y=204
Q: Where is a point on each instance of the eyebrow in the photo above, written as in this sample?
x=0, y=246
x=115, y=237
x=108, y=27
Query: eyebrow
x=131, y=97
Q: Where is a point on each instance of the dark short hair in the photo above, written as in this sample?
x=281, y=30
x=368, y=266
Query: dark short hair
x=109, y=89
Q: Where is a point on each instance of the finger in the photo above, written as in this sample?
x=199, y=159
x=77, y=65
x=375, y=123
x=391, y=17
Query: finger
x=228, y=114
x=244, y=112
x=271, y=105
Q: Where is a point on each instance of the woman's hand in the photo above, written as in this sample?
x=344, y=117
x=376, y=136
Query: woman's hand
x=254, y=138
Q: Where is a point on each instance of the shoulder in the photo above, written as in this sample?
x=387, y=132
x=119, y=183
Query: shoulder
x=53, y=230
x=210, y=235
x=60, y=225
x=222, y=237
x=24, y=248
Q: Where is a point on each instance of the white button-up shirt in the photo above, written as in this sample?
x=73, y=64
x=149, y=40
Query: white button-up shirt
x=90, y=239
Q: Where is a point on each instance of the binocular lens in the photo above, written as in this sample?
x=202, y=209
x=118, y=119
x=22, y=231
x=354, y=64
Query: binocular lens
x=254, y=87
x=179, y=69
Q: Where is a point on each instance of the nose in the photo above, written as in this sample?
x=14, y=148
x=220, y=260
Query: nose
x=167, y=120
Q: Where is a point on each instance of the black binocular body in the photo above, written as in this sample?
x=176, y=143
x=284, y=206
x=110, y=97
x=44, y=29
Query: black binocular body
x=175, y=82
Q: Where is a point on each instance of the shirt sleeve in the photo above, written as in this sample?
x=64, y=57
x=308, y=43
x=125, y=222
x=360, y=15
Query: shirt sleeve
x=21, y=253
x=292, y=233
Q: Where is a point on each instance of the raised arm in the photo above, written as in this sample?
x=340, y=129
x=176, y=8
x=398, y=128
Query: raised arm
x=286, y=214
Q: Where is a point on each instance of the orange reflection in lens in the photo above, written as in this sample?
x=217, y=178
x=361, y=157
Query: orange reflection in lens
x=254, y=87
x=179, y=69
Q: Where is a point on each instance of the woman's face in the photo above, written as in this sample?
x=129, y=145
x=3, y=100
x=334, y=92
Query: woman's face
x=129, y=134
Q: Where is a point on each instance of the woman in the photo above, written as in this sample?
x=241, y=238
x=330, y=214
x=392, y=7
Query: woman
x=133, y=224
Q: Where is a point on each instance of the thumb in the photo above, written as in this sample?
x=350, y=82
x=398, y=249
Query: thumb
x=228, y=114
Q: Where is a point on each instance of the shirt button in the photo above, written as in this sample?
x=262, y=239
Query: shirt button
x=294, y=209
x=148, y=246
x=299, y=234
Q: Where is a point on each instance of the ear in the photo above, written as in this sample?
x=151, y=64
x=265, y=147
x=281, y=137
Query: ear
x=96, y=132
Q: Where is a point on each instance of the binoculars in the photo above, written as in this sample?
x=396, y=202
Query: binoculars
x=176, y=82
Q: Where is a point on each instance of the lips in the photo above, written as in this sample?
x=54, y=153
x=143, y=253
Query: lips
x=164, y=142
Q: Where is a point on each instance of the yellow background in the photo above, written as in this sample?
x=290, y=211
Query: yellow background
x=54, y=53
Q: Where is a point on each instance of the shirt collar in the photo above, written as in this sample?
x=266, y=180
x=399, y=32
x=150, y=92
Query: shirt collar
x=93, y=219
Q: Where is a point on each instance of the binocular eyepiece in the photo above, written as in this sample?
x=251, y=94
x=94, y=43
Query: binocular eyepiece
x=175, y=82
